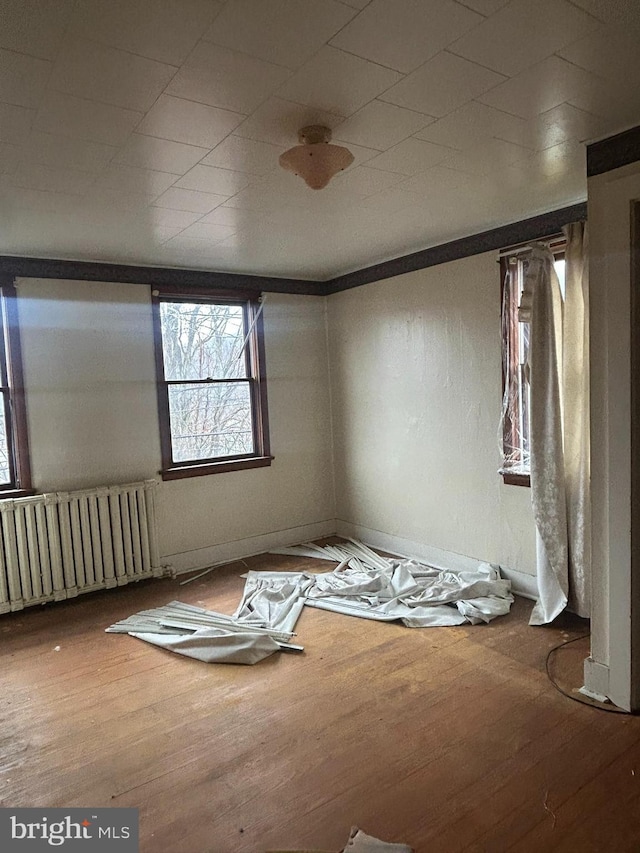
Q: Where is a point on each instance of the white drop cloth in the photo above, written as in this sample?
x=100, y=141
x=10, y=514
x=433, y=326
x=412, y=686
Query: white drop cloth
x=360, y=842
x=215, y=645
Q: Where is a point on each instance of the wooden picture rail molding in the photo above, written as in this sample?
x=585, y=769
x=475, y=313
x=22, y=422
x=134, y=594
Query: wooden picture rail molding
x=613, y=152
x=497, y=238
x=158, y=276
x=536, y=227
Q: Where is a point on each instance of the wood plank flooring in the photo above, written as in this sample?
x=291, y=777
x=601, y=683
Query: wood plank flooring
x=448, y=739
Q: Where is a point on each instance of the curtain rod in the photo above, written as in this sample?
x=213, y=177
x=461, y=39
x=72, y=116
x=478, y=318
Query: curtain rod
x=557, y=240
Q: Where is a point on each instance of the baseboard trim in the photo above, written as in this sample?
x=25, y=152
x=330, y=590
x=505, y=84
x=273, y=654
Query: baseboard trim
x=522, y=584
x=596, y=678
x=227, y=552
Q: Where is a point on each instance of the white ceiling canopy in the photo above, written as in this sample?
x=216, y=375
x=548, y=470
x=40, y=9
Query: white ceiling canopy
x=149, y=131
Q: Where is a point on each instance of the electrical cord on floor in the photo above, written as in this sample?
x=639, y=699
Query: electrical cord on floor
x=582, y=699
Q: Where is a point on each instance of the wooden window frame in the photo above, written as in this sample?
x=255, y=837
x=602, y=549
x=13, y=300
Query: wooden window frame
x=13, y=394
x=510, y=326
x=250, y=301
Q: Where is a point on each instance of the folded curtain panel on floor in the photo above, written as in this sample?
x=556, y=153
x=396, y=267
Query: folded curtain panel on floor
x=363, y=584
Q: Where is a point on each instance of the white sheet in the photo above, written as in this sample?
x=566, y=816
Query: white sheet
x=215, y=645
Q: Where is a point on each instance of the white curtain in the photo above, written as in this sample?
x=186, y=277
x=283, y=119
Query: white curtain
x=559, y=435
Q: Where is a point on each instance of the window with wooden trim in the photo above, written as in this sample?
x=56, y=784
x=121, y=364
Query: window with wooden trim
x=15, y=470
x=515, y=468
x=212, y=399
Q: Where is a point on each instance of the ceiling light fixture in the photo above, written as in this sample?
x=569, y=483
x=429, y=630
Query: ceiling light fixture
x=315, y=160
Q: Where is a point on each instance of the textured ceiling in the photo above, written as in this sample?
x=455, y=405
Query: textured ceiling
x=148, y=131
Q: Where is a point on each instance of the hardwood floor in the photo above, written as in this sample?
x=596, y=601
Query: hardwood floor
x=447, y=739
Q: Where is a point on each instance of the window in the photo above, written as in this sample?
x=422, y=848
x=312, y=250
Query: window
x=212, y=399
x=15, y=472
x=515, y=354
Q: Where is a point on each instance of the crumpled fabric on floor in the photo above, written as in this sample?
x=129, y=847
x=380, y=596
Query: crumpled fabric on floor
x=273, y=599
x=360, y=842
x=369, y=586
x=215, y=645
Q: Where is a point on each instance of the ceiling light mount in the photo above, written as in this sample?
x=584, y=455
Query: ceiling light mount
x=315, y=160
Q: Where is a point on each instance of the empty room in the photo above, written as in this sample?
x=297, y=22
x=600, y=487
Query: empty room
x=319, y=431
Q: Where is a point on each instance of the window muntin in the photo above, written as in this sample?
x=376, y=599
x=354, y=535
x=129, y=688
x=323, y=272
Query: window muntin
x=515, y=355
x=15, y=473
x=212, y=388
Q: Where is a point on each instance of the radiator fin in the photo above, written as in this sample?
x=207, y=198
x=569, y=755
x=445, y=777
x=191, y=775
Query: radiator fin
x=60, y=544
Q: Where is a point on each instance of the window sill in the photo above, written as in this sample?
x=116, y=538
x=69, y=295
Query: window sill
x=182, y=471
x=17, y=493
x=512, y=479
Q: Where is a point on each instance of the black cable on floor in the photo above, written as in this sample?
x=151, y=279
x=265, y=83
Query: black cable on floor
x=591, y=704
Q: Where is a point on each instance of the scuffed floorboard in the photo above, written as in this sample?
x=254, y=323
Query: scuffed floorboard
x=449, y=739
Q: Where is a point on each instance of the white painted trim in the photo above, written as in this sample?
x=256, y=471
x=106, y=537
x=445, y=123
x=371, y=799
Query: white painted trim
x=227, y=552
x=596, y=678
x=521, y=583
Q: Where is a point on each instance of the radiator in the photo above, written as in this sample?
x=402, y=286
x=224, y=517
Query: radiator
x=60, y=544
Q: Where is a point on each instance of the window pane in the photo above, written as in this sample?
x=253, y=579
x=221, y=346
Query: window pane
x=201, y=341
x=5, y=470
x=210, y=421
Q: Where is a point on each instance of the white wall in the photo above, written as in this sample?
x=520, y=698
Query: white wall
x=416, y=387
x=92, y=411
x=610, y=195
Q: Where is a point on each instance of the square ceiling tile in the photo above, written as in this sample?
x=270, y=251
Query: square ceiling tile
x=244, y=155
x=469, y=124
x=22, y=79
x=279, y=121
x=51, y=179
x=434, y=182
x=40, y=201
x=390, y=201
x=608, y=10
x=47, y=149
x=227, y=216
x=196, y=202
x=442, y=84
x=150, y=152
x=135, y=180
x=210, y=179
x=90, y=70
x=564, y=123
x=338, y=82
x=403, y=34
x=285, y=32
x=410, y=157
x=106, y=198
x=15, y=123
x=34, y=27
x=523, y=33
x=540, y=88
x=10, y=156
x=185, y=121
x=486, y=7
x=618, y=106
x=225, y=78
x=361, y=182
x=210, y=231
x=488, y=157
x=69, y=116
x=381, y=125
x=165, y=217
x=157, y=29
x=611, y=53
x=356, y=4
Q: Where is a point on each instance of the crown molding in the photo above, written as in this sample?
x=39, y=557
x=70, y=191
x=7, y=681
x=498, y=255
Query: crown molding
x=613, y=152
x=93, y=271
x=534, y=228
